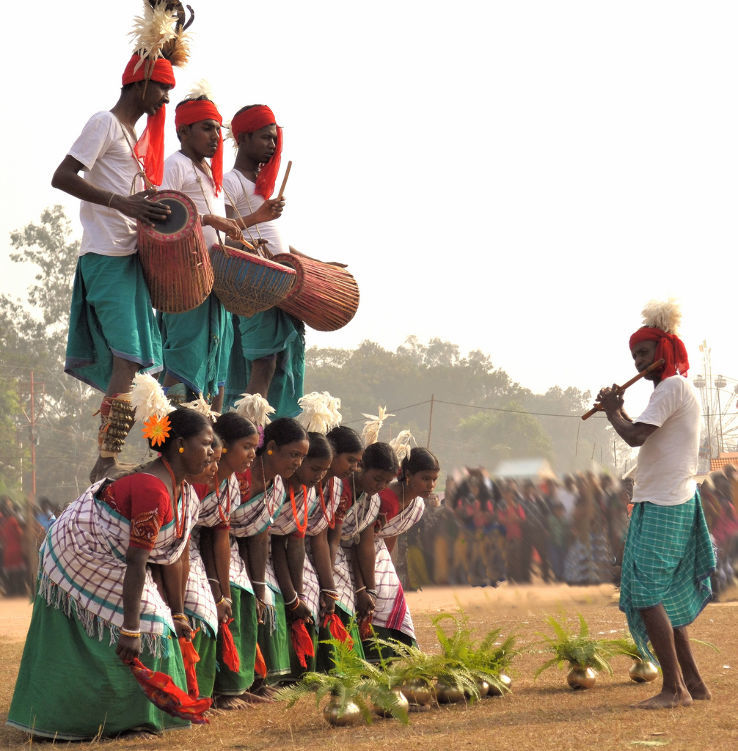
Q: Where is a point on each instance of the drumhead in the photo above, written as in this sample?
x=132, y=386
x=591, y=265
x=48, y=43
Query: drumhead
x=177, y=220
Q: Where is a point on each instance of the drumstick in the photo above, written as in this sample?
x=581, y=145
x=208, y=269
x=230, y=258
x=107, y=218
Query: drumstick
x=653, y=366
x=284, y=180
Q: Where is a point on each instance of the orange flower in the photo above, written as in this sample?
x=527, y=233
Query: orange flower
x=157, y=429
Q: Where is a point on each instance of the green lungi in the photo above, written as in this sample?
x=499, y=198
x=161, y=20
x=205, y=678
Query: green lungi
x=272, y=332
x=111, y=315
x=196, y=345
x=74, y=687
x=243, y=628
x=668, y=560
x=275, y=643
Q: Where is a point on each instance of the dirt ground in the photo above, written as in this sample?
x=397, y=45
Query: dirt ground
x=542, y=714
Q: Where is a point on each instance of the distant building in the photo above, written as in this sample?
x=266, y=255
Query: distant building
x=525, y=469
x=724, y=458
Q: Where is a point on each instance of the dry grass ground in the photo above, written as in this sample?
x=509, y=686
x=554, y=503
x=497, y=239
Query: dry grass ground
x=543, y=714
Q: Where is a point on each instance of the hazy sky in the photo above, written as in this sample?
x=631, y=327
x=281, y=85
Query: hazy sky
x=517, y=177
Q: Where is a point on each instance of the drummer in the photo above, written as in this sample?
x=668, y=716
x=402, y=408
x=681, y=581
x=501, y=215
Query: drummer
x=268, y=355
x=197, y=343
x=112, y=329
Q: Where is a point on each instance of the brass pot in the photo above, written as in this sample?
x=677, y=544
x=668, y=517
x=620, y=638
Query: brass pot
x=447, y=694
x=402, y=704
x=483, y=687
x=643, y=671
x=506, y=680
x=417, y=692
x=350, y=715
x=581, y=678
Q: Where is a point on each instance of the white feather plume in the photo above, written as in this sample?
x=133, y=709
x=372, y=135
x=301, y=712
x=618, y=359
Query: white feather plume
x=201, y=88
x=254, y=407
x=148, y=397
x=663, y=314
x=320, y=412
x=373, y=424
x=152, y=31
x=402, y=443
x=201, y=406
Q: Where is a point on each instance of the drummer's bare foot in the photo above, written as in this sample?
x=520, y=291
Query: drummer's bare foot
x=665, y=700
x=108, y=466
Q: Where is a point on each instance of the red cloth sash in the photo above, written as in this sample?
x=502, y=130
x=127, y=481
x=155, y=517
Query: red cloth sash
x=190, y=659
x=337, y=630
x=302, y=642
x=230, y=653
x=260, y=666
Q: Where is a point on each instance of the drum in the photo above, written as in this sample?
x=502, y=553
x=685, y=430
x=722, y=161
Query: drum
x=175, y=261
x=325, y=297
x=246, y=283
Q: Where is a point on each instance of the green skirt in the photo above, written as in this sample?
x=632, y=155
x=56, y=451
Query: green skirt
x=272, y=332
x=243, y=629
x=324, y=659
x=668, y=560
x=206, y=647
x=275, y=644
x=196, y=344
x=111, y=315
x=74, y=687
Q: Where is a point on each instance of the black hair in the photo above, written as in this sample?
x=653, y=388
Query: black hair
x=201, y=98
x=184, y=423
x=247, y=107
x=320, y=447
x=345, y=440
x=282, y=431
x=217, y=443
x=380, y=456
x=231, y=427
x=419, y=460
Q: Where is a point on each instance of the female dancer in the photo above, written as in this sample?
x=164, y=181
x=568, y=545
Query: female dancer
x=405, y=498
x=208, y=596
x=262, y=492
x=97, y=606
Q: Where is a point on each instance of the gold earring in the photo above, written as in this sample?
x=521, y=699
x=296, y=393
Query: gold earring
x=181, y=450
x=269, y=452
x=224, y=450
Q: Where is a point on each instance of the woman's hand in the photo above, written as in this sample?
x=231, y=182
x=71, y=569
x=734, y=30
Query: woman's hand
x=225, y=611
x=182, y=628
x=327, y=606
x=302, y=611
x=364, y=604
x=128, y=648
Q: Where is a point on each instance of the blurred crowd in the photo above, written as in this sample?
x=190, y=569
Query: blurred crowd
x=485, y=531
x=21, y=532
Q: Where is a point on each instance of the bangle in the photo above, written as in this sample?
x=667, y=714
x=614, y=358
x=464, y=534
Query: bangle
x=360, y=589
x=294, y=599
x=331, y=595
x=110, y=200
x=223, y=598
x=372, y=593
x=214, y=581
x=131, y=634
x=258, y=584
x=181, y=617
x=296, y=604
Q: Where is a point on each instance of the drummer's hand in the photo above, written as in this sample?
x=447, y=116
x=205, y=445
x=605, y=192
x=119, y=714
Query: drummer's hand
x=128, y=648
x=610, y=399
x=269, y=210
x=138, y=206
x=228, y=226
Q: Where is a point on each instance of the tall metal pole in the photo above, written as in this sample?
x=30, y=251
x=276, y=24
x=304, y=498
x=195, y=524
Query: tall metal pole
x=33, y=438
x=430, y=421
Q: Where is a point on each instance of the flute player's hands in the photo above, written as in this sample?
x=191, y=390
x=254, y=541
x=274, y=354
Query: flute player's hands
x=610, y=399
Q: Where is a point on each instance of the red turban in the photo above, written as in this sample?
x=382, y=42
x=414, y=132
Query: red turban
x=669, y=346
x=194, y=111
x=149, y=148
x=251, y=120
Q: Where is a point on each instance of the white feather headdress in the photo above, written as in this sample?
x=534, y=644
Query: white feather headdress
x=373, y=424
x=254, y=407
x=160, y=32
x=201, y=88
x=402, y=444
x=663, y=314
x=148, y=397
x=320, y=412
x=201, y=406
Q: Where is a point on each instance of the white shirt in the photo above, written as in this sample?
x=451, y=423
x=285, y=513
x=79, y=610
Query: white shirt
x=242, y=193
x=667, y=461
x=180, y=173
x=109, y=164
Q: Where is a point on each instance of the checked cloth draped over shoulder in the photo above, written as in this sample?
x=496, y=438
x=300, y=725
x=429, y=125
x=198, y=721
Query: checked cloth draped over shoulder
x=83, y=564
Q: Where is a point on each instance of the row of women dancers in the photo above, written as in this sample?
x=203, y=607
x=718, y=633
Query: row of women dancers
x=223, y=564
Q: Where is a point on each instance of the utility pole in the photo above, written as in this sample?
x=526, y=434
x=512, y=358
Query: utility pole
x=430, y=421
x=33, y=437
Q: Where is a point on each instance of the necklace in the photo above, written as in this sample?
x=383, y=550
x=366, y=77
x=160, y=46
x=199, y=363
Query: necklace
x=300, y=527
x=178, y=530
x=269, y=506
x=330, y=519
x=224, y=517
x=127, y=135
